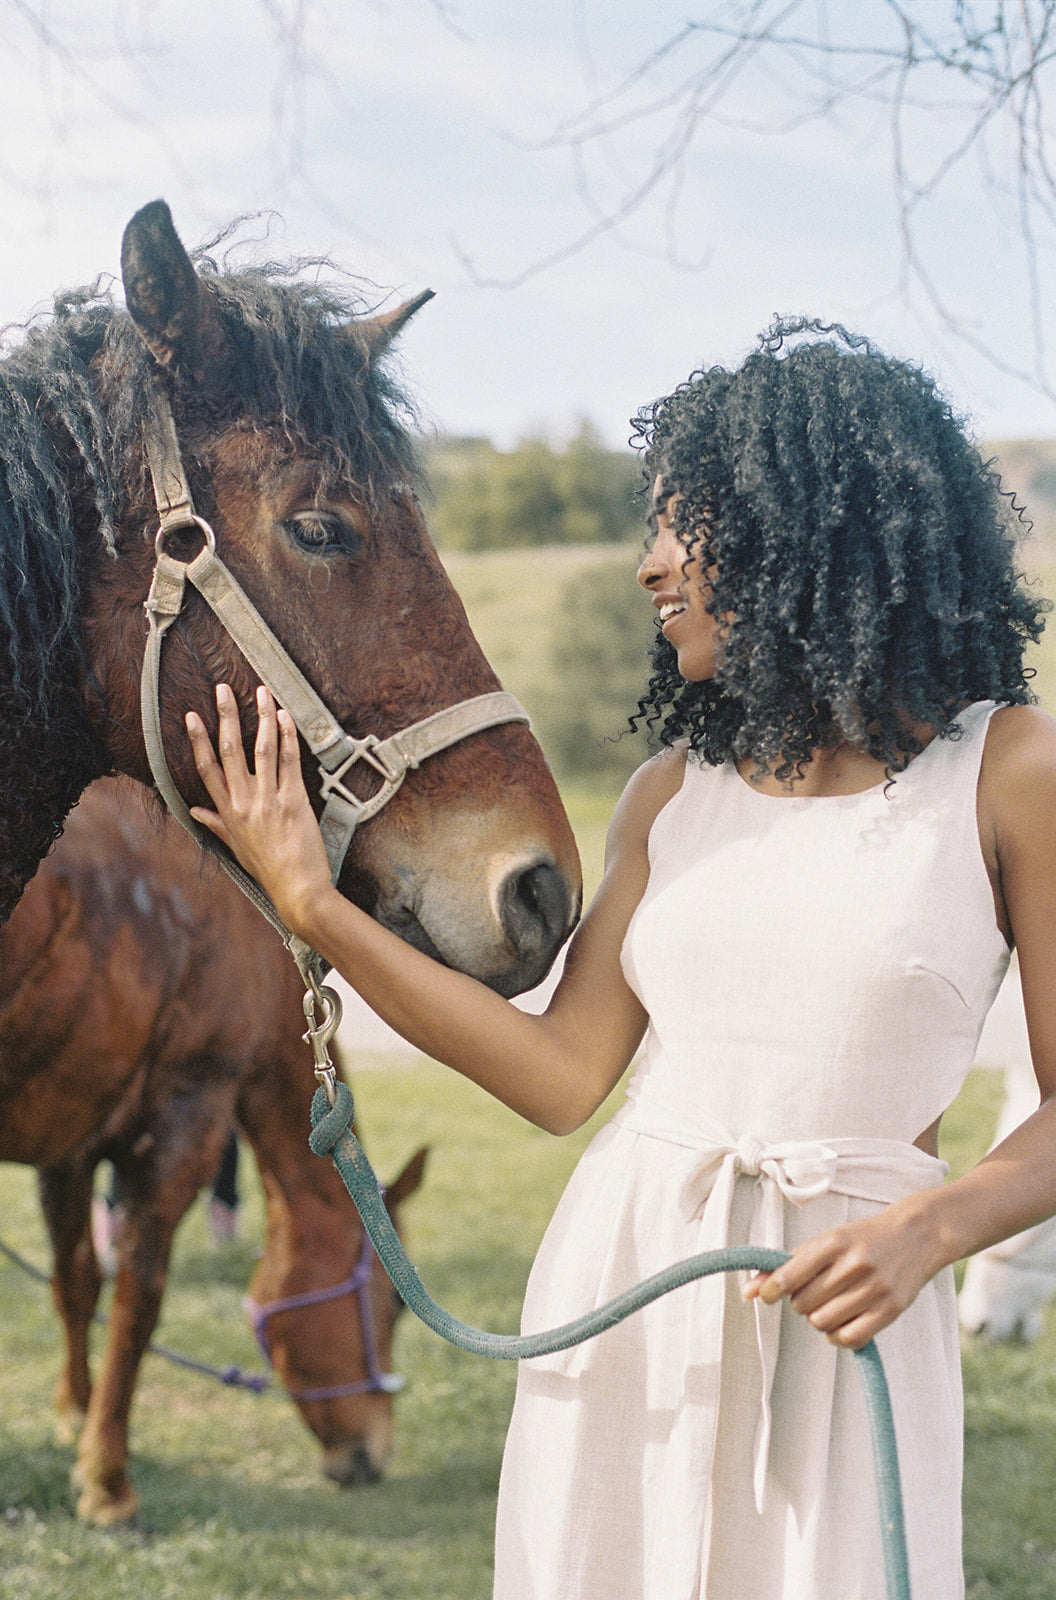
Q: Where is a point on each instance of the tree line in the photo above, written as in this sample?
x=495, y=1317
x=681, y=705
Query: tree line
x=581, y=492
x=591, y=639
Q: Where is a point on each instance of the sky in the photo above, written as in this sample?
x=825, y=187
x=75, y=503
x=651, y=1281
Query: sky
x=418, y=143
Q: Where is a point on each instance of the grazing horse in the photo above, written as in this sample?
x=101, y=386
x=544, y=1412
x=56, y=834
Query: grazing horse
x=145, y=1007
x=273, y=402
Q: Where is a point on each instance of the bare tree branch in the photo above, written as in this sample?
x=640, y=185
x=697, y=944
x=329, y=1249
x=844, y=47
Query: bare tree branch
x=977, y=74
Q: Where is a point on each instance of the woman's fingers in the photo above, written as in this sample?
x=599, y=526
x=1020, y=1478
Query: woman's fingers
x=229, y=781
x=209, y=769
x=850, y=1282
x=267, y=740
x=229, y=743
x=798, y=1271
x=264, y=814
x=290, y=775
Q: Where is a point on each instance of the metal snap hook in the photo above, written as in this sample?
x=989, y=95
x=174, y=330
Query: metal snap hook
x=319, y=1034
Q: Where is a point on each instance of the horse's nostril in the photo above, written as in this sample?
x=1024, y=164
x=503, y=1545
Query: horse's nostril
x=535, y=907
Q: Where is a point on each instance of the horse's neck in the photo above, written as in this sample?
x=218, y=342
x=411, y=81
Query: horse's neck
x=46, y=768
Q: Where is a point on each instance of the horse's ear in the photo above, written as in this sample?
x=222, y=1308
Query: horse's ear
x=377, y=333
x=165, y=296
x=409, y=1180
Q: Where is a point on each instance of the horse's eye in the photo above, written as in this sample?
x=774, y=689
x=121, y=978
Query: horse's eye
x=321, y=531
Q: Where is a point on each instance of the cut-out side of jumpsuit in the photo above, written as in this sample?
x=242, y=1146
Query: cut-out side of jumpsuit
x=816, y=971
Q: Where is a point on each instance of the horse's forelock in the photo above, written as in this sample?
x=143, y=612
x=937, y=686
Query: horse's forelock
x=300, y=363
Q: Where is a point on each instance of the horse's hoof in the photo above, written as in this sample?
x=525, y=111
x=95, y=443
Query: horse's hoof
x=117, y=1511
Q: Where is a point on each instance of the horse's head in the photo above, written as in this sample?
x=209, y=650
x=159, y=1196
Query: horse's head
x=330, y=1336
x=290, y=433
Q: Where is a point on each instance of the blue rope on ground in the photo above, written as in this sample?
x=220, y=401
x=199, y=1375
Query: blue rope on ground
x=332, y=1135
x=233, y=1377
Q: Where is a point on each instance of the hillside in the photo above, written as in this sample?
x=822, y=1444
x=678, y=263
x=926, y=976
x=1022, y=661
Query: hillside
x=1028, y=466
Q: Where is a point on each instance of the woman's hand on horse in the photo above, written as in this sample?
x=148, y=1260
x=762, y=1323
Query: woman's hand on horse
x=264, y=816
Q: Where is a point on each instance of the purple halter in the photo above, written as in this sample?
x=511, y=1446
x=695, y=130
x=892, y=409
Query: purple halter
x=377, y=1381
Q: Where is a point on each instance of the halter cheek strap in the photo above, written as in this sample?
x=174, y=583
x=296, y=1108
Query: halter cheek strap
x=335, y=751
x=377, y=1381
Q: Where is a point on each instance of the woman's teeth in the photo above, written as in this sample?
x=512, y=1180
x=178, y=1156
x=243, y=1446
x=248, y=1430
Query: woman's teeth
x=671, y=609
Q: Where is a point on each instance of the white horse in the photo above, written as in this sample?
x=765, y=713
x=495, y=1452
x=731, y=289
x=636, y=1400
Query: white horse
x=1007, y=1287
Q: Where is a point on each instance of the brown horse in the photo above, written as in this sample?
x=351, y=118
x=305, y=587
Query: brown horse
x=291, y=436
x=145, y=1006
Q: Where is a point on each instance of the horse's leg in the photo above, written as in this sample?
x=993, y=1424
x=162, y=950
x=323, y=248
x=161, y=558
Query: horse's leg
x=65, y=1197
x=160, y=1185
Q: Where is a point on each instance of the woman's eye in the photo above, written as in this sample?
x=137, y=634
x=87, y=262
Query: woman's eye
x=322, y=530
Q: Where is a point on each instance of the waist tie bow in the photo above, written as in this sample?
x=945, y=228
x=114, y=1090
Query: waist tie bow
x=801, y=1170
x=796, y=1171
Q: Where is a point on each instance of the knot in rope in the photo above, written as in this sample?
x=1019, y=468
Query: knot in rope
x=334, y=1122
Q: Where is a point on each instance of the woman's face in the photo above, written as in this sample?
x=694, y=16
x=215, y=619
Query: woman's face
x=680, y=594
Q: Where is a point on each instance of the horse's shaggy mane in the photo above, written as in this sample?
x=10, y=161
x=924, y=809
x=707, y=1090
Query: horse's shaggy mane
x=73, y=399
x=73, y=395
x=301, y=370
x=863, y=555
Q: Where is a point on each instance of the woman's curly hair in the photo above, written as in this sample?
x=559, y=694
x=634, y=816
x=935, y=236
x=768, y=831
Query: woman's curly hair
x=862, y=555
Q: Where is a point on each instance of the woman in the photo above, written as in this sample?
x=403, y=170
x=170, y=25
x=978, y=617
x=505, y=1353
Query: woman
x=809, y=900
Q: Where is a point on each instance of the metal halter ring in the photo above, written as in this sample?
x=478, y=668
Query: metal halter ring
x=192, y=519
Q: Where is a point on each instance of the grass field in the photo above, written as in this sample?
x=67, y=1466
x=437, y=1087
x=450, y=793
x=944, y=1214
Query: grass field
x=230, y=1482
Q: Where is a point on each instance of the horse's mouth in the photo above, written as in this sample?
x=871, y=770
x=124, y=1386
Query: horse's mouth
x=402, y=921
x=513, y=976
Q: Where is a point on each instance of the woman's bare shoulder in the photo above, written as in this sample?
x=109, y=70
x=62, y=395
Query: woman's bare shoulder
x=651, y=786
x=1017, y=782
x=1020, y=743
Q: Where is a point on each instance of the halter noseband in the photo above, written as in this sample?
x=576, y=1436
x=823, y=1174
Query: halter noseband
x=377, y=1381
x=335, y=751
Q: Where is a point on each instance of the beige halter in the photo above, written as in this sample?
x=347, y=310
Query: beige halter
x=336, y=751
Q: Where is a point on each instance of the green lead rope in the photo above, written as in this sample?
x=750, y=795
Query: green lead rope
x=332, y=1135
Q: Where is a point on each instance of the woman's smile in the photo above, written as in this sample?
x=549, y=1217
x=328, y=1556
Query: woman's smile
x=671, y=573
x=668, y=610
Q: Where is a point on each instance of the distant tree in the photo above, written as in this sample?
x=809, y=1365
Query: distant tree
x=599, y=488
x=535, y=494
x=599, y=643
x=529, y=501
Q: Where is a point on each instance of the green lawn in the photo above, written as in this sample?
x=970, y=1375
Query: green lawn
x=230, y=1482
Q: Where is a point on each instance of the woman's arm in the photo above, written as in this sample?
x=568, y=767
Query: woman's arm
x=853, y=1281
x=554, y=1069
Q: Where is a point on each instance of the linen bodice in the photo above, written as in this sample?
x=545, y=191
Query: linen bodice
x=815, y=967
